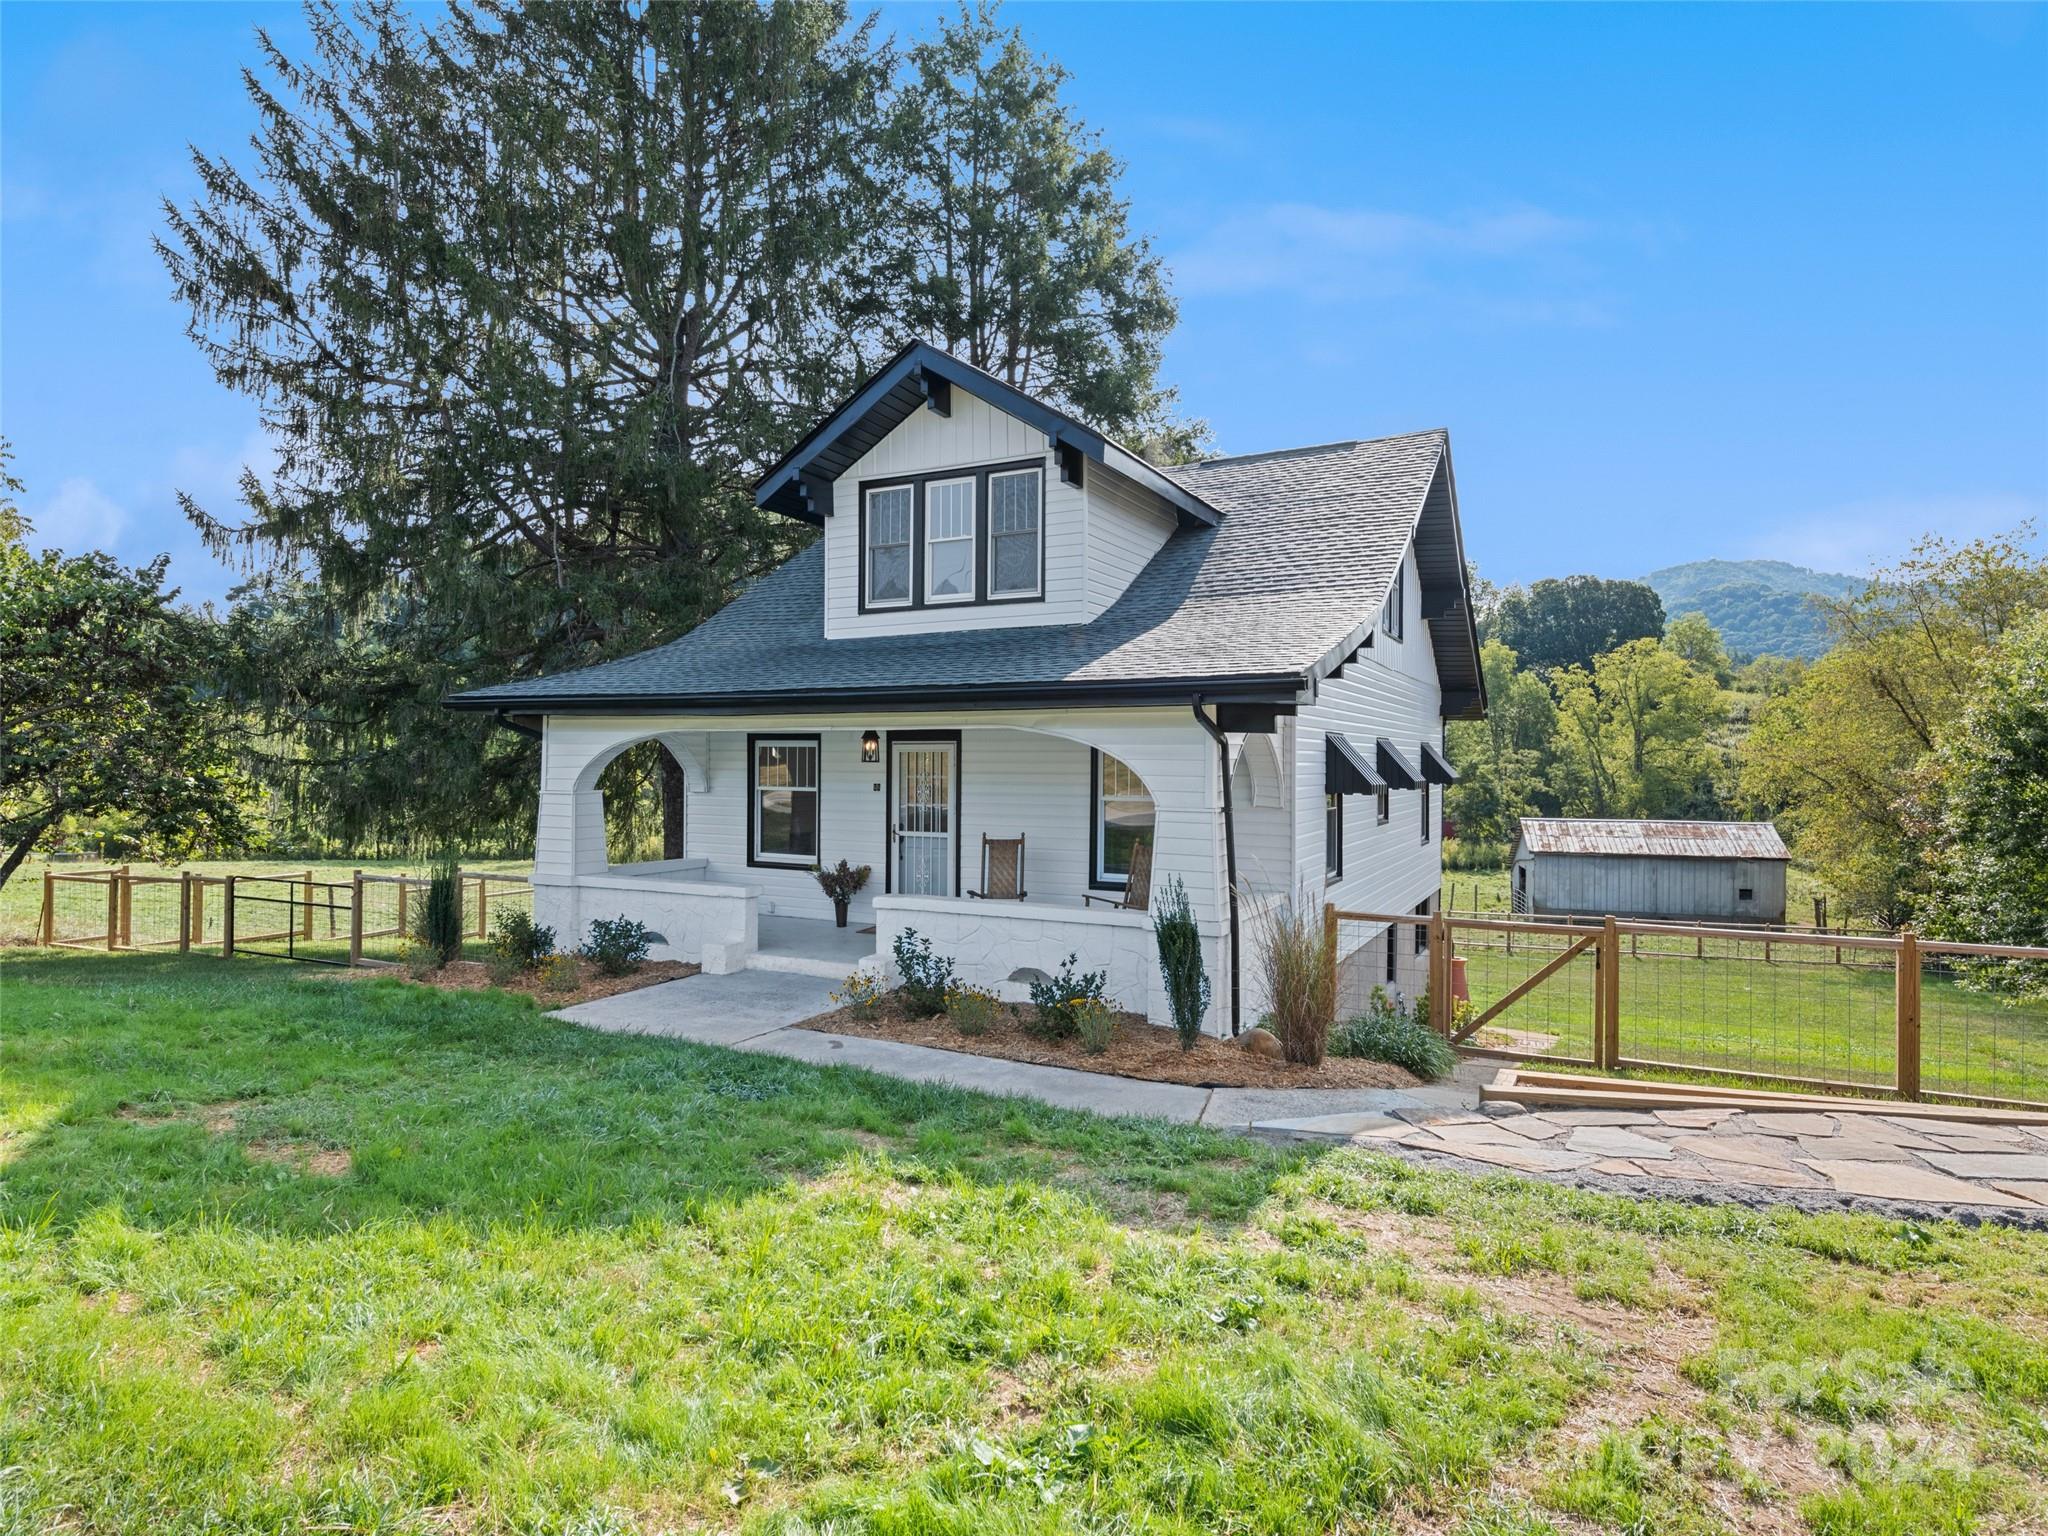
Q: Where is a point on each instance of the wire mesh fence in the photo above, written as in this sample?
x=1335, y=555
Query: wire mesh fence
x=1834, y=1011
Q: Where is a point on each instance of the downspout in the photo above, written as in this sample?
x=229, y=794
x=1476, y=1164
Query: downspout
x=1229, y=851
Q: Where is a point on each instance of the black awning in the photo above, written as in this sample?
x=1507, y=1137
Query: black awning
x=1435, y=768
x=1345, y=771
x=1395, y=768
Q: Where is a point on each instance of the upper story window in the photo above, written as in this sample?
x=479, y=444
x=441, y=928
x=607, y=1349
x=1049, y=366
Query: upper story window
x=1392, y=614
x=966, y=537
x=1333, y=836
x=949, y=541
x=1123, y=816
x=1014, y=528
x=888, y=516
x=1425, y=810
x=782, y=794
x=1383, y=804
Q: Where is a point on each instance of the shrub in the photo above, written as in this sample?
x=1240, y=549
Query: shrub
x=1388, y=1032
x=415, y=958
x=972, y=1009
x=618, y=945
x=1180, y=962
x=560, y=974
x=520, y=943
x=926, y=976
x=1473, y=853
x=1300, y=972
x=440, y=919
x=1055, y=999
x=843, y=881
x=1094, y=1022
x=860, y=994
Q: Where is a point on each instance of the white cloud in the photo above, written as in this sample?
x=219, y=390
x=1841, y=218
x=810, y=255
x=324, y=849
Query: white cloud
x=78, y=516
x=1864, y=536
x=1336, y=253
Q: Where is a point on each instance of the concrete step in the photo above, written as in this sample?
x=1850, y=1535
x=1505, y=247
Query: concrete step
x=798, y=965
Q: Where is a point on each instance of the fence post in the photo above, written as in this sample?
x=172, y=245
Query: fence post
x=227, y=920
x=184, y=911
x=355, y=920
x=1906, y=1010
x=113, y=911
x=305, y=923
x=1329, y=923
x=48, y=925
x=127, y=906
x=1442, y=1006
x=199, y=911
x=404, y=932
x=1329, y=949
x=1609, y=972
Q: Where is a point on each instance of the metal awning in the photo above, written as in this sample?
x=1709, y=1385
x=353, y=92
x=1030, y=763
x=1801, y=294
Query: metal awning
x=1395, y=768
x=1435, y=768
x=1345, y=771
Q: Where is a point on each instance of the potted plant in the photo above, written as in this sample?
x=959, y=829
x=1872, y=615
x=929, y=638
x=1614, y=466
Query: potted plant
x=842, y=883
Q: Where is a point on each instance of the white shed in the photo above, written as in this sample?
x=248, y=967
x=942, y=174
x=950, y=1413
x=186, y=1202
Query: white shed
x=1711, y=871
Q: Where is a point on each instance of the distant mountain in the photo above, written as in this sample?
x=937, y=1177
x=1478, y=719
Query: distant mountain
x=1760, y=606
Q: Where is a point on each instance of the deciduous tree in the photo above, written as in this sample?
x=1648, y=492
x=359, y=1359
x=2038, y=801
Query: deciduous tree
x=1567, y=622
x=1632, y=733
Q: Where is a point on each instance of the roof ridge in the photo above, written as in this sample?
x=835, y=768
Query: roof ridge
x=1289, y=453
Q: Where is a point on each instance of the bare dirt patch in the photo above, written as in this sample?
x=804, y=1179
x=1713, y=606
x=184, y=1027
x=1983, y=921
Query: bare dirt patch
x=1138, y=1049
x=318, y=1162
x=591, y=983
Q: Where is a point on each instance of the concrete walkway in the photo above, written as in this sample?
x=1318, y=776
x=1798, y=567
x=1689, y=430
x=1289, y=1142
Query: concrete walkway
x=1891, y=1164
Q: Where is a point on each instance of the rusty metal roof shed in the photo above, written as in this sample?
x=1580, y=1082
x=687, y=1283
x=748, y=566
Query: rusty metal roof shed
x=1653, y=839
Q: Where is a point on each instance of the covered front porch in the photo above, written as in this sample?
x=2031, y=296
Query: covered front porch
x=1008, y=839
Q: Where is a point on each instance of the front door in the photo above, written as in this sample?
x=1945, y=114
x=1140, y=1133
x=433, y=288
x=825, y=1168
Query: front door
x=923, y=816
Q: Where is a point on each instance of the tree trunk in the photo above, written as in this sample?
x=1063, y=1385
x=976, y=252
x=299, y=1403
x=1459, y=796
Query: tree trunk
x=672, y=791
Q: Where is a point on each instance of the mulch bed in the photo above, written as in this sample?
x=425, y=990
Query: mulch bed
x=1138, y=1049
x=474, y=976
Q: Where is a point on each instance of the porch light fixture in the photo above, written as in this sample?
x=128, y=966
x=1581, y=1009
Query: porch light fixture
x=870, y=747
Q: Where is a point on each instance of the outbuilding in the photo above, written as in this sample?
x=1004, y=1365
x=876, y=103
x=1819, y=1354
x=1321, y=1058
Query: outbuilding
x=1704, y=871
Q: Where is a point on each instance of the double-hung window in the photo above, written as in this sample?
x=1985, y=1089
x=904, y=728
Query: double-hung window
x=1333, y=837
x=949, y=541
x=1014, y=527
x=782, y=794
x=888, y=534
x=1123, y=815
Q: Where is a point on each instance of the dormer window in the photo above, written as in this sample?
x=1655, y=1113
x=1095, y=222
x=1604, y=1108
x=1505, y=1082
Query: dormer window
x=888, y=520
x=1013, y=533
x=949, y=541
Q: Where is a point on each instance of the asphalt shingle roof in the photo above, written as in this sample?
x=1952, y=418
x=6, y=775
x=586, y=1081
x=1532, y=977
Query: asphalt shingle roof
x=1301, y=561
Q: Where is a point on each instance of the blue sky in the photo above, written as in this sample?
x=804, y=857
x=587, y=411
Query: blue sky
x=1681, y=282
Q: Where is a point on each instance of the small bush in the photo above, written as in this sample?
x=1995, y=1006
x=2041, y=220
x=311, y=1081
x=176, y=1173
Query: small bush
x=520, y=943
x=618, y=945
x=1300, y=974
x=1095, y=1023
x=1388, y=1032
x=1180, y=962
x=415, y=958
x=440, y=919
x=1056, y=997
x=926, y=976
x=972, y=1009
x=560, y=974
x=860, y=994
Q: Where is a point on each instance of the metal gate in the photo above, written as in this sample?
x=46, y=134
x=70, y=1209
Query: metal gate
x=288, y=918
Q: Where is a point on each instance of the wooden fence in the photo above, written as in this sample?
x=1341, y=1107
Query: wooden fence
x=1855, y=1013
x=337, y=921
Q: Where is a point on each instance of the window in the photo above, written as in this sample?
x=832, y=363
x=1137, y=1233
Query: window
x=888, y=545
x=1422, y=928
x=1425, y=810
x=1745, y=893
x=1391, y=615
x=1393, y=950
x=949, y=541
x=782, y=793
x=1013, y=533
x=1123, y=814
x=1333, y=836
x=1383, y=805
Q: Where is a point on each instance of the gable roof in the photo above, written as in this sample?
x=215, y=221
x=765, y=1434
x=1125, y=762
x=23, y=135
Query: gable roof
x=921, y=375
x=1653, y=839
x=1282, y=590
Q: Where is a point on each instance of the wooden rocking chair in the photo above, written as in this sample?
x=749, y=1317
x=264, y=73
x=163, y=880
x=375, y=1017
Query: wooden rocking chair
x=1002, y=868
x=1137, y=892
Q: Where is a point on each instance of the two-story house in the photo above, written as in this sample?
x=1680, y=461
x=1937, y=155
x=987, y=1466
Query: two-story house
x=1232, y=672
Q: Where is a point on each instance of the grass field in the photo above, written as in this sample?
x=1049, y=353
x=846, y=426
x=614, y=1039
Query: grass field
x=289, y=1253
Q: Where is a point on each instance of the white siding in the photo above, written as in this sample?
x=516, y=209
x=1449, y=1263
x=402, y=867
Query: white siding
x=1390, y=690
x=1126, y=527
x=976, y=433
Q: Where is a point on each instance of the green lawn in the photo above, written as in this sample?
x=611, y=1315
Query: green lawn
x=285, y=1252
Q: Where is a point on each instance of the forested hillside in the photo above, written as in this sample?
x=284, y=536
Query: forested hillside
x=1759, y=606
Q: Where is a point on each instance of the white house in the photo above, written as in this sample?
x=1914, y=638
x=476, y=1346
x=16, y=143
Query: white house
x=1014, y=628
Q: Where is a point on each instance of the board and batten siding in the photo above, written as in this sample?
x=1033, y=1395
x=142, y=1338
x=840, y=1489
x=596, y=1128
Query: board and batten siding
x=1126, y=528
x=924, y=443
x=1390, y=690
x=1647, y=886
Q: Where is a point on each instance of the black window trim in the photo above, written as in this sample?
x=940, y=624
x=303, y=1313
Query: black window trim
x=1382, y=806
x=754, y=739
x=1393, y=612
x=1333, y=847
x=983, y=544
x=1097, y=881
x=1423, y=789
